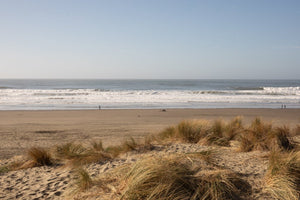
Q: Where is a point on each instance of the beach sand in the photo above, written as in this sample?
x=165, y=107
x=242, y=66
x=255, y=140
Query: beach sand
x=20, y=130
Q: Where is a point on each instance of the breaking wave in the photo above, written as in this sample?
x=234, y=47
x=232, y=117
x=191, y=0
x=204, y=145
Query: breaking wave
x=77, y=98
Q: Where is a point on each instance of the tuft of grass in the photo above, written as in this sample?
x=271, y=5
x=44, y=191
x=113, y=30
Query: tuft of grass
x=282, y=180
x=129, y=145
x=77, y=154
x=281, y=138
x=215, y=133
x=4, y=169
x=126, y=146
x=171, y=178
x=192, y=131
x=262, y=136
x=147, y=146
x=247, y=142
x=281, y=187
x=219, y=184
x=188, y=132
x=90, y=157
x=114, y=151
x=40, y=156
x=167, y=133
x=234, y=128
x=159, y=179
x=17, y=165
x=83, y=180
x=69, y=151
x=218, y=128
x=97, y=145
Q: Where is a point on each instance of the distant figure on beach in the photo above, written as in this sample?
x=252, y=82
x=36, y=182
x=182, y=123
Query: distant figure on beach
x=284, y=106
x=99, y=107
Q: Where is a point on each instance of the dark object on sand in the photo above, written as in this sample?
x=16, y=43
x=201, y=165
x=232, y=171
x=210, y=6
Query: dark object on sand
x=163, y=110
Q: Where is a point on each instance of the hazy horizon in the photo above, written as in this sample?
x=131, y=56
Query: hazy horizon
x=169, y=39
x=150, y=78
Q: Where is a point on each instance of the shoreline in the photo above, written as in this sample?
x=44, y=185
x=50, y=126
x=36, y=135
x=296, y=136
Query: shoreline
x=22, y=129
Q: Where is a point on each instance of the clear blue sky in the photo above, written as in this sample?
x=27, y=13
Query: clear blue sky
x=150, y=39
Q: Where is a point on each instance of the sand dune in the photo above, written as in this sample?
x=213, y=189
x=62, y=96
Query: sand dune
x=23, y=129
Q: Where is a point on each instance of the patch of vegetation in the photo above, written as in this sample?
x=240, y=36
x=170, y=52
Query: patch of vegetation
x=77, y=154
x=97, y=145
x=83, y=180
x=262, y=136
x=70, y=151
x=258, y=136
x=282, y=180
x=4, y=169
x=173, y=178
x=40, y=157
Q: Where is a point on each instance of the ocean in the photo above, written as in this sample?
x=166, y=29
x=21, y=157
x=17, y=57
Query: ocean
x=17, y=94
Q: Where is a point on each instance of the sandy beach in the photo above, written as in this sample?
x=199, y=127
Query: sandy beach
x=20, y=130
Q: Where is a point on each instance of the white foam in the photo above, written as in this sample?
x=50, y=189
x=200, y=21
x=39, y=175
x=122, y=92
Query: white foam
x=60, y=98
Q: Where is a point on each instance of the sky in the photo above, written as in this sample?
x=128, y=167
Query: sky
x=150, y=39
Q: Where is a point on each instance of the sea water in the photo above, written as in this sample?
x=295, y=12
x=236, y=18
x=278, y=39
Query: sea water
x=16, y=94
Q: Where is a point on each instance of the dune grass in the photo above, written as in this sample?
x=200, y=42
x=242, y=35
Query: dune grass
x=191, y=131
x=97, y=145
x=282, y=180
x=263, y=136
x=40, y=156
x=216, y=135
x=70, y=151
x=77, y=154
x=83, y=180
x=36, y=157
x=124, y=147
x=258, y=136
x=220, y=184
x=4, y=169
x=173, y=178
x=200, y=131
x=158, y=179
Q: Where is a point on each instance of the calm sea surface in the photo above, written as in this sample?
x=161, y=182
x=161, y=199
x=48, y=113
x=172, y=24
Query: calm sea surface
x=16, y=94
